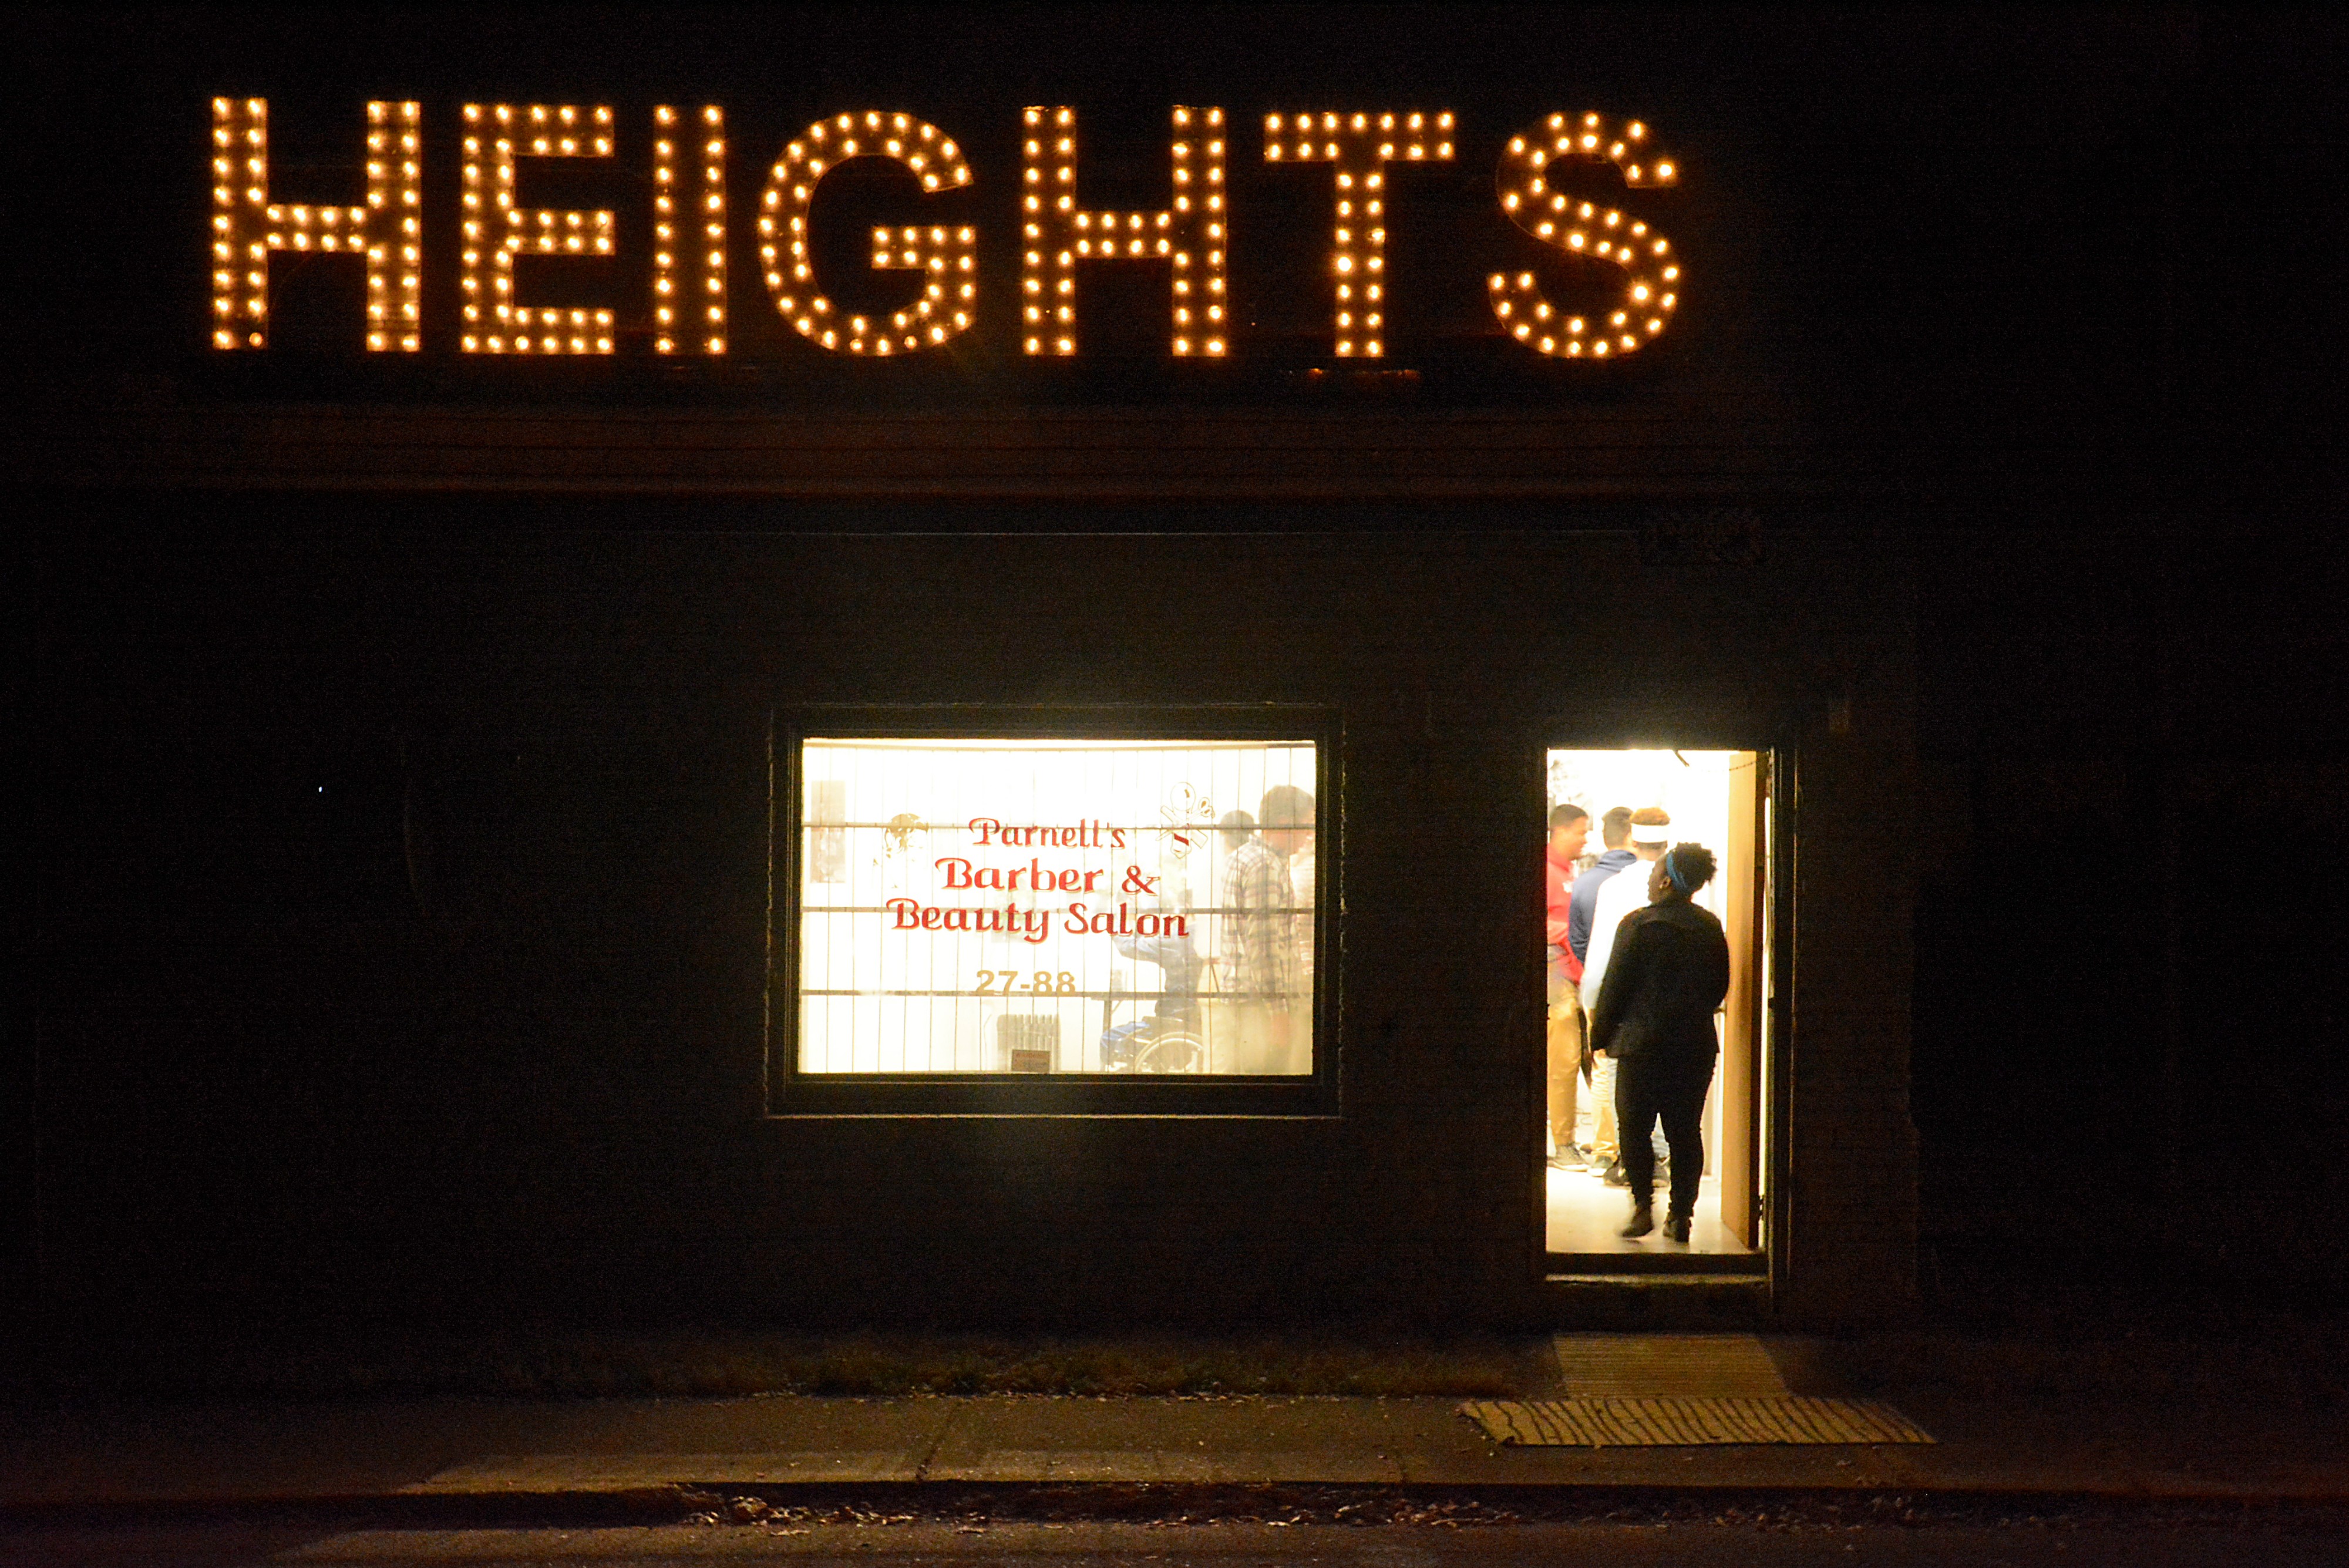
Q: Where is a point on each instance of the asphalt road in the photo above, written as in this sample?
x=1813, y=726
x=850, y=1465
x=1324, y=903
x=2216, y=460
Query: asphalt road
x=2299, y=1541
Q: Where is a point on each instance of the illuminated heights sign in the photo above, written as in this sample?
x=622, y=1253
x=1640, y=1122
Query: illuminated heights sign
x=250, y=221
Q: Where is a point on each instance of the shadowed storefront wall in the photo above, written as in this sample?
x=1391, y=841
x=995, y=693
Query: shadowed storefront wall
x=547, y=1079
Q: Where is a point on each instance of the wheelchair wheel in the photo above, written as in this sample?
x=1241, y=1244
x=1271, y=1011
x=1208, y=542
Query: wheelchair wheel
x=1176, y=1051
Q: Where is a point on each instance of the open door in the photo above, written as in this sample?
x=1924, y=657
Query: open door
x=1720, y=799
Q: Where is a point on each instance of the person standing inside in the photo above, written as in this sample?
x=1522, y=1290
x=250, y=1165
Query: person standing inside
x=1582, y=922
x=1262, y=974
x=1570, y=831
x=1651, y=833
x=1615, y=837
x=1666, y=981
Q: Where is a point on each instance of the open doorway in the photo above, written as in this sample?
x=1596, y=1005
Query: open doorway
x=1636, y=802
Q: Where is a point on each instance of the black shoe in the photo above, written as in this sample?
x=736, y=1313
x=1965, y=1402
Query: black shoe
x=1676, y=1229
x=1643, y=1220
x=1617, y=1177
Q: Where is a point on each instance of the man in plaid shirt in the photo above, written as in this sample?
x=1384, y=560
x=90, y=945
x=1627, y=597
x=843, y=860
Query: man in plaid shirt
x=1263, y=971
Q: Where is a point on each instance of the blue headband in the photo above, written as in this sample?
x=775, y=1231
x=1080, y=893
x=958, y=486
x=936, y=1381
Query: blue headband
x=1672, y=870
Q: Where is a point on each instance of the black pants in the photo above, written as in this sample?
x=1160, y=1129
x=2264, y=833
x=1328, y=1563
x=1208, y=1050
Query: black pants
x=1646, y=1089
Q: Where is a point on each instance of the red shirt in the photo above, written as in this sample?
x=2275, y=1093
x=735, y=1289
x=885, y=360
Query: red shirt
x=1561, y=874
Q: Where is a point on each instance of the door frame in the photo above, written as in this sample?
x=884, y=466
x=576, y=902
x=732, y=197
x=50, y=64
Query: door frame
x=1774, y=1039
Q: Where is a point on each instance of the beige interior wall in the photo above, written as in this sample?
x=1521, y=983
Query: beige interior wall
x=1736, y=1086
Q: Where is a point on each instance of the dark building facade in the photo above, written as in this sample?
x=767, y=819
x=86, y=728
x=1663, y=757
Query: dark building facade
x=473, y=875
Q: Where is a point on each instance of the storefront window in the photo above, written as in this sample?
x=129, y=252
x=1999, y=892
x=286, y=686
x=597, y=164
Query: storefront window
x=1050, y=905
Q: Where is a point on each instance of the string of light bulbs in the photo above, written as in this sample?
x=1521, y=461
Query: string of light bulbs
x=1190, y=234
x=688, y=233
x=945, y=255
x=249, y=220
x=1360, y=145
x=496, y=230
x=1587, y=229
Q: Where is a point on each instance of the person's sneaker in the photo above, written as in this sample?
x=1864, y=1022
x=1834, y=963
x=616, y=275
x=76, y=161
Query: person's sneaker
x=1617, y=1177
x=1566, y=1160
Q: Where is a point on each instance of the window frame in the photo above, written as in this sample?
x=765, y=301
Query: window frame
x=788, y=1092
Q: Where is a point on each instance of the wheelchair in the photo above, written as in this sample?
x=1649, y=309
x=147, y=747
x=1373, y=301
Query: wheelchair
x=1159, y=1043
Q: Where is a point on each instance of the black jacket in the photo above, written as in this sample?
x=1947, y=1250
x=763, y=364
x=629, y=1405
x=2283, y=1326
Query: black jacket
x=1668, y=975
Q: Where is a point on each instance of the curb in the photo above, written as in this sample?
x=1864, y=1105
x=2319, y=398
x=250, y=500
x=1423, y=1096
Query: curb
x=1348, y=1503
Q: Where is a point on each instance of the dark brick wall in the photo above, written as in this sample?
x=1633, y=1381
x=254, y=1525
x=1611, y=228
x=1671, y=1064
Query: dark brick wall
x=2088, y=688
x=476, y=1033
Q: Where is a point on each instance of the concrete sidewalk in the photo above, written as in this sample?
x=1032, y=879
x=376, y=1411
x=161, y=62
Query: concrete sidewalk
x=526, y=1453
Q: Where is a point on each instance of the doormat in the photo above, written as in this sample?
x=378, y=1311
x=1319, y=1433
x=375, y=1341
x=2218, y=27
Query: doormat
x=1654, y=1423
x=1669, y=1366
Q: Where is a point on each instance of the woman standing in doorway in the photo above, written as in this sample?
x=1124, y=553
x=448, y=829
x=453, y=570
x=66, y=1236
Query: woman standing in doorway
x=1667, y=978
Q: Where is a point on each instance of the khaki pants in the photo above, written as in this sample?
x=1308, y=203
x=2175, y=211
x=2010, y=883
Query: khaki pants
x=1565, y=1063
x=1598, y=1113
